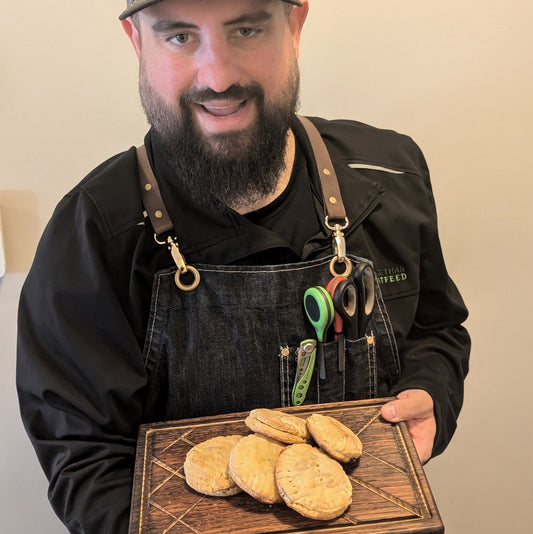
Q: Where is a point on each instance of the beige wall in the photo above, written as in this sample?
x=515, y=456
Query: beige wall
x=454, y=75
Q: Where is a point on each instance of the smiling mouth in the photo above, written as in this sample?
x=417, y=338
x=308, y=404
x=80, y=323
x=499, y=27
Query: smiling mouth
x=224, y=110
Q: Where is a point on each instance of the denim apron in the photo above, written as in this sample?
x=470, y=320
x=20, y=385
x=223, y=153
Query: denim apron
x=228, y=341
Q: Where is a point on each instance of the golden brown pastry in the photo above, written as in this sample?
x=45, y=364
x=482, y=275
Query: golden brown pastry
x=206, y=466
x=278, y=425
x=334, y=438
x=312, y=483
x=252, y=465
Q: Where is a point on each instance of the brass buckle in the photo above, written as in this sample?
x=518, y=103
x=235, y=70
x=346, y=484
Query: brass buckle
x=339, y=248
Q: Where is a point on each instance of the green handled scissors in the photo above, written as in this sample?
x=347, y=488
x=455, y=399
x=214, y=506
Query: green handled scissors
x=320, y=311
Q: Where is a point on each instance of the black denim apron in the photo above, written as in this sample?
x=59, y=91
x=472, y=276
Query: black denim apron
x=228, y=342
x=230, y=345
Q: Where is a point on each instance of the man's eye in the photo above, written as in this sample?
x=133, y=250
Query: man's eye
x=181, y=38
x=247, y=32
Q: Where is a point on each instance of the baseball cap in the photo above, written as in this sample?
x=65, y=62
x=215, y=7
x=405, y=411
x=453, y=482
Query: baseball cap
x=137, y=5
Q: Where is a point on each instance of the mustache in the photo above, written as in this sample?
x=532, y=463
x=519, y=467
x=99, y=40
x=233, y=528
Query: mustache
x=234, y=92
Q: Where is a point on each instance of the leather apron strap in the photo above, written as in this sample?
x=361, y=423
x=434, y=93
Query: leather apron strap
x=162, y=223
x=333, y=204
x=151, y=195
x=336, y=219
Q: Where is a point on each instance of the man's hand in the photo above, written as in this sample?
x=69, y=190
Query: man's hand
x=415, y=406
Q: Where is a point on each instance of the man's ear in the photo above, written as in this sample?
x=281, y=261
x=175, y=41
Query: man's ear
x=296, y=23
x=133, y=33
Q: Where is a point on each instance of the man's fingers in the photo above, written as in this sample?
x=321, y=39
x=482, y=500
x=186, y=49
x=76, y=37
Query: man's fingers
x=416, y=407
x=409, y=404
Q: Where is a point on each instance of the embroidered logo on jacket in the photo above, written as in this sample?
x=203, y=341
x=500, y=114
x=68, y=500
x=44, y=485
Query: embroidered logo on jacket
x=391, y=275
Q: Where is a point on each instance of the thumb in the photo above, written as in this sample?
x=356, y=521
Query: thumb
x=389, y=412
x=409, y=404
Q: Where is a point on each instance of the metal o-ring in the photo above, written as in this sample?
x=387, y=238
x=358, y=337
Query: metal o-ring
x=196, y=278
x=347, y=264
x=159, y=242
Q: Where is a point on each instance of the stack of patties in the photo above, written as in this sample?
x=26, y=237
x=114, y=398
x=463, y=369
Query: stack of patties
x=278, y=464
x=312, y=481
x=252, y=463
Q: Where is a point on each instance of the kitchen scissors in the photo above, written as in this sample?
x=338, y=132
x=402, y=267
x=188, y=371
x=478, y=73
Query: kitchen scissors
x=344, y=295
x=320, y=312
x=363, y=275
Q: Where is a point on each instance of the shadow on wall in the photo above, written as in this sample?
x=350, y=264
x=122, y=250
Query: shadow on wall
x=20, y=228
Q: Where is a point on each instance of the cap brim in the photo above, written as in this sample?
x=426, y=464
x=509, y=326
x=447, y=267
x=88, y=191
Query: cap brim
x=137, y=6
x=134, y=7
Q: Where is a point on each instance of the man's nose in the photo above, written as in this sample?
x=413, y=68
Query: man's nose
x=217, y=66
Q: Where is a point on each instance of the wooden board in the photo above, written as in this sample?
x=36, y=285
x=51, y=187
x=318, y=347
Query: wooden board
x=390, y=491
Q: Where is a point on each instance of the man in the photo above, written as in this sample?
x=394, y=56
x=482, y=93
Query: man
x=114, y=331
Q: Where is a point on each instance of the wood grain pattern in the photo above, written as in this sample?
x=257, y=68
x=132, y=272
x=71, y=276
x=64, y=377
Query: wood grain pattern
x=390, y=491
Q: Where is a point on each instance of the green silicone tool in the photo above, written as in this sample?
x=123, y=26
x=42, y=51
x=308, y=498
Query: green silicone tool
x=304, y=371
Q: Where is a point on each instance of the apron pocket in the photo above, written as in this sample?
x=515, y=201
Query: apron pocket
x=357, y=381
x=361, y=369
x=332, y=389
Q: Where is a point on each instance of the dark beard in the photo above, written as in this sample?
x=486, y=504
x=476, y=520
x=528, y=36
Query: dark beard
x=228, y=169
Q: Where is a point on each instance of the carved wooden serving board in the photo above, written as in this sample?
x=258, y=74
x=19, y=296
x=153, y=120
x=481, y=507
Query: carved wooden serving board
x=390, y=490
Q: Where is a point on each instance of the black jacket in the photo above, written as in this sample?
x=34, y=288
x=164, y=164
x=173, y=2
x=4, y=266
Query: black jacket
x=85, y=303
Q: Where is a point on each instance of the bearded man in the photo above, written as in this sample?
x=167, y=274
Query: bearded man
x=118, y=328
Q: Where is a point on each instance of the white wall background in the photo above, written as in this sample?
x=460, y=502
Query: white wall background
x=456, y=76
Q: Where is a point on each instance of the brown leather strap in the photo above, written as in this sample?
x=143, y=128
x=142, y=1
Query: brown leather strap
x=161, y=222
x=333, y=204
x=152, y=199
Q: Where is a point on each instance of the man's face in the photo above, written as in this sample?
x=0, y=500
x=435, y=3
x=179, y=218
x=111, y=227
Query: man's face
x=220, y=74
